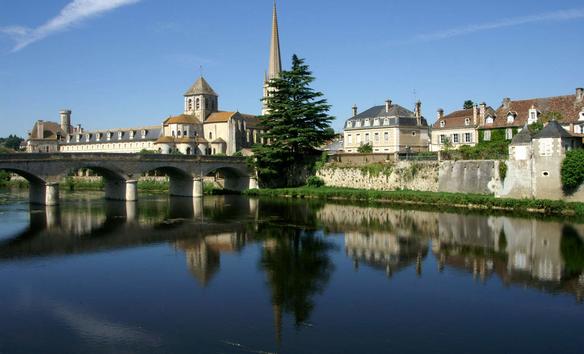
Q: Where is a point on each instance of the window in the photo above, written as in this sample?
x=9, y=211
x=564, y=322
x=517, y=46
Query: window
x=386, y=136
x=358, y=124
x=358, y=140
x=442, y=139
x=366, y=138
x=376, y=137
x=581, y=116
x=455, y=138
x=487, y=135
x=350, y=139
x=489, y=120
x=190, y=104
x=509, y=133
x=532, y=116
x=386, y=121
x=546, y=147
x=198, y=104
x=144, y=133
x=376, y=122
x=179, y=133
x=367, y=123
x=173, y=133
x=442, y=124
x=466, y=121
x=185, y=133
x=120, y=135
x=467, y=137
x=210, y=135
x=414, y=133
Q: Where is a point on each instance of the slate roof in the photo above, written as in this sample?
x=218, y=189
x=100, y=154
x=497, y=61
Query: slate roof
x=152, y=134
x=397, y=116
x=200, y=87
x=567, y=106
x=523, y=137
x=553, y=130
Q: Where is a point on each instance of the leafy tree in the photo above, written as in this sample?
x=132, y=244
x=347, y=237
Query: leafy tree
x=572, y=171
x=297, y=122
x=12, y=142
x=365, y=149
x=468, y=104
x=549, y=116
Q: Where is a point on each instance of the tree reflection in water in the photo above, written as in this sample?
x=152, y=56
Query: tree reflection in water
x=298, y=267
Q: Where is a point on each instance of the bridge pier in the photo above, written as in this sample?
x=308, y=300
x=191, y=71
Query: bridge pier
x=131, y=191
x=44, y=193
x=123, y=190
x=186, y=187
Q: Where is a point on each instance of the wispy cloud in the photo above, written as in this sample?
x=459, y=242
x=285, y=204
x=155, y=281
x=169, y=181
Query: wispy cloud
x=74, y=13
x=562, y=15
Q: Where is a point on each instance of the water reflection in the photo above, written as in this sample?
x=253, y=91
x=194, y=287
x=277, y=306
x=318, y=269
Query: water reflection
x=297, y=242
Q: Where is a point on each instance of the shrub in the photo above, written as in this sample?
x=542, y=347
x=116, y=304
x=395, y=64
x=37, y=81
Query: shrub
x=314, y=182
x=502, y=170
x=573, y=170
x=365, y=149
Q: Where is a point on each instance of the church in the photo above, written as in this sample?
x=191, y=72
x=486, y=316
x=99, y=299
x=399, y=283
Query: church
x=201, y=129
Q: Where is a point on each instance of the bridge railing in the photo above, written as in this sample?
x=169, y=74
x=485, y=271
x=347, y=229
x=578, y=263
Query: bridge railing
x=117, y=156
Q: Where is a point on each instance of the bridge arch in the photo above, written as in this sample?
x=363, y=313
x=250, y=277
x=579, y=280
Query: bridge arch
x=181, y=182
x=117, y=185
x=232, y=178
x=40, y=190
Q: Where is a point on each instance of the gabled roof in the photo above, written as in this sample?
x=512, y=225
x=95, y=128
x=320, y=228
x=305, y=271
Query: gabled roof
x=50, y=131
x=457, y=119
x=220, y=117
x=201, y=87
x=397, y=115
x=553, y=130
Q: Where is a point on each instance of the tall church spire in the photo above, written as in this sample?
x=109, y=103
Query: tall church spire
x=275, y=60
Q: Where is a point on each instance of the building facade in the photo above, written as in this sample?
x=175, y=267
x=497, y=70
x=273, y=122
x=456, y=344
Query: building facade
x=388, y=128
x=458, y=128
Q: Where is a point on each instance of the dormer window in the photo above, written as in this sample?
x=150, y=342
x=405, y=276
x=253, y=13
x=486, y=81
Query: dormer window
x=466, y=121
x=581, y=118
x=79, y=137
x=442, y=124
x=510, y=118
x=132, y=134
x=87, y=137
x=120, y=135
x=532, y=116
x=386, y=121
x=358, y=124
x=367, y=122
x=110, y=135
x=144, y=133
x=376, y=122
x=489, y=120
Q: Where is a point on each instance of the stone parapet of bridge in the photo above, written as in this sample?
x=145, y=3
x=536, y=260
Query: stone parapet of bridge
x=121, y=171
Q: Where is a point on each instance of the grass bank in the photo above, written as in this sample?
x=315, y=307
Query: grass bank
x=434, y=199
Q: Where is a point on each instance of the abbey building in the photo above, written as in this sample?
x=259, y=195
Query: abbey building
x=201, y=129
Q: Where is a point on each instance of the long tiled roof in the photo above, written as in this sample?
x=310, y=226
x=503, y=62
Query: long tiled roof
x=566, y=106
x=219, y=117
x=91, y=137
x=182, y=119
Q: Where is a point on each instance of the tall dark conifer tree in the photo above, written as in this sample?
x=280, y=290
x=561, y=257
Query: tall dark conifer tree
x=296, y=124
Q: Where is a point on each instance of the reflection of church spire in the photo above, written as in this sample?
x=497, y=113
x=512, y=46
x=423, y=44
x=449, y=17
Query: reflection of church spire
x=277, y=322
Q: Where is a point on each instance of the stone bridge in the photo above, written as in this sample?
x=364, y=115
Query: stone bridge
x=121, y=172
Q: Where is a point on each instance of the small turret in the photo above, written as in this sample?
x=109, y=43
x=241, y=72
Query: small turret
x=65, y=121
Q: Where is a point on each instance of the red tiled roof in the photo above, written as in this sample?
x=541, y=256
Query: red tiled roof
x=567, y=106
x=455, y=119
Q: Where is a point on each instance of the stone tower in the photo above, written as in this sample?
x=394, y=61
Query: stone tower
x=201, y=100
x=65, y=115
x=275, y=66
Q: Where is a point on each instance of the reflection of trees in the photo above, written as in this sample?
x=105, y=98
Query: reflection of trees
x=572, y=248
x=298, y=267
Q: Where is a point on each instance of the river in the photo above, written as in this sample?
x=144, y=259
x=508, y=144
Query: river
x=229, y=274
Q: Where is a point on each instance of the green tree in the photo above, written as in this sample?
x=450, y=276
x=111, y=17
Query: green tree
x=468, y=104
x=365, y=149
x=297, y=122
x=12, y=142
x=572, y=171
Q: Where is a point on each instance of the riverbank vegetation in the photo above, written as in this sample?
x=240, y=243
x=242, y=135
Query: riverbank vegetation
x=437, y=199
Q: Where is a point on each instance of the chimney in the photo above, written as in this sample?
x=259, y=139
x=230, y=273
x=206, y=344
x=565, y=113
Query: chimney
x=387, y=106
x=78, y=129
x=440, y=113
x=40, y=129
x=65, y=121
x=418, y=112
x=506, y=103
x=579, y=94
x=482, y=113
x=355, y=110
x=475, y=115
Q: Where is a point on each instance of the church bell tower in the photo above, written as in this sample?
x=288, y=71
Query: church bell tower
x=201, y=100
x=275, y=66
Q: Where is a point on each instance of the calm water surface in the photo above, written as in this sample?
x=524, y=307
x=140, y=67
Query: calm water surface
x=237, y=275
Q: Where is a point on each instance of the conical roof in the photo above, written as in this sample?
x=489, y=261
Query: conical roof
x=523, y=137
x=553, y=130
x=201, y=87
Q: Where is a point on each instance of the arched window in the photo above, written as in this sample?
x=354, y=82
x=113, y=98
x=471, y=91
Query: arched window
x=210, y=135
x=179, y=133
x=198, y=103
x=190, y=104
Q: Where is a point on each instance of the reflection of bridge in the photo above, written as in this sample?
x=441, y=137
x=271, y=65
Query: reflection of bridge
x=120, y=172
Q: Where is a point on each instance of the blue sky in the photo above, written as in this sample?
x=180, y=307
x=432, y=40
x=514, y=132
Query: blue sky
x=123, y=63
